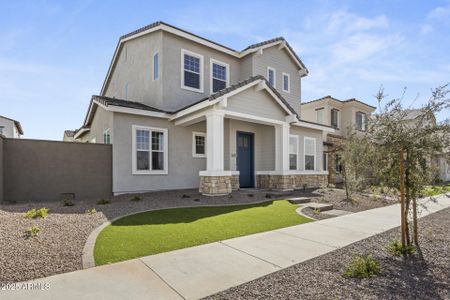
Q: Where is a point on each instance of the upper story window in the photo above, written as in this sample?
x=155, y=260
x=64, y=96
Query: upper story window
x=319, y=115
x=220, y=75
x=286, y=83
x=271, y=76
x=361, y=121
x=126, y=91
x=335, y=117
x=310, y=153
x=1, y=129
x=293, y=152
x=191, y=71
x=198, y=144
x=155, y=66
x=107, y=137
x=149, y=150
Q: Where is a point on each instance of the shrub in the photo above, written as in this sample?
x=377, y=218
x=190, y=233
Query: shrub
x=363, y=267
x=395, y=248
x=91, y=211
x=32, y=231
x=103, y=201
x=68, y=202
x=316, y=211
x=136, y=198
x=33, y=213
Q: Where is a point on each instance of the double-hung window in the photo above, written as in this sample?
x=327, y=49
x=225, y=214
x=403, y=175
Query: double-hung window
x=310, y=153
x=293, y=152
x=198, y=144
x=149, y=150
x=319, y=115
x=325, y=161
x=219, y=75
x=106, y=136
x=286, y=83
x=335, y=118
x=361, y=121
x=271, y=76
x=155, y=66
x=191, y=71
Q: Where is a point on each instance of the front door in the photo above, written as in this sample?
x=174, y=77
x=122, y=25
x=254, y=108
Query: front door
x=244, y=160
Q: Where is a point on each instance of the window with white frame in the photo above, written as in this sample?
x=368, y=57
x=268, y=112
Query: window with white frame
x=335, y=117
x=271, y=76
x=325, y=161
x=286, y=83
x=219, y=75
x=310, y=153
x=361, y=121
x=155, y=66
x=149, y=150
x=198, y=144
x=293, y=152
x=107, y=136
x=191, y=71
x=319, y=115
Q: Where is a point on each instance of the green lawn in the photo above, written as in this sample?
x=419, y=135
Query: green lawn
x=435, y=190
x=165, y=230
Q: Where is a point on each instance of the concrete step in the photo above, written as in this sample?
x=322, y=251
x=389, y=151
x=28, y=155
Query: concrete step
x=321, y=206
x=336, y=212
x=299, y=200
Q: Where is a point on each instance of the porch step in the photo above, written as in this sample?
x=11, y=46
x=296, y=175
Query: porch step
x=299, y=200
x=320, y=206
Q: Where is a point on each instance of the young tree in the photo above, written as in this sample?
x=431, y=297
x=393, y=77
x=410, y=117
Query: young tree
x=399, y=146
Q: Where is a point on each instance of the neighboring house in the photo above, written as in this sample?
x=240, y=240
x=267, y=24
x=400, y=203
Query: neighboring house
x=68, y=135
x=10, y=128
x=343, y=115
x=182, y=111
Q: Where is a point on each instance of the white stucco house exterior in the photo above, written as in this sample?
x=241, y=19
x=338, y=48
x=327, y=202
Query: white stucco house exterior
x=10, y=128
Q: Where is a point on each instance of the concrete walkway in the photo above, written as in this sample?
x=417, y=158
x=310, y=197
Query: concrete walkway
x=200, y=271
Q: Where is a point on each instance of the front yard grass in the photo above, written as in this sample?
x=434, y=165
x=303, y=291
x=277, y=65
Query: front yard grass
x=159, y=231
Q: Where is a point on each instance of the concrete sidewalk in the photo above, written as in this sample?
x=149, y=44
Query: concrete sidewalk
x=200, y=271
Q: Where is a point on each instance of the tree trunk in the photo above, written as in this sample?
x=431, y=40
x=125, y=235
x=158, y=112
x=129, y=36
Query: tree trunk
x=347, y=190
x=416, y=234
x=402, y=200
x=408, y=199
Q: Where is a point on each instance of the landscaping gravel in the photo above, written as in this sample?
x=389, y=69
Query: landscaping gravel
x=59, y=244
x=425, y=276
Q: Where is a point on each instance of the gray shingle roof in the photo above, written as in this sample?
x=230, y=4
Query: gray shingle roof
x=342, y=101
x=69, y=133
x=124, y=103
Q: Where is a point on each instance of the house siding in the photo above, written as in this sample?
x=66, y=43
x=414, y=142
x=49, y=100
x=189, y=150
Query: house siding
x=183, y=168
x=259, y=104
x=102, y=120
x=9, y=129
x=282, y=62
x=306, y=132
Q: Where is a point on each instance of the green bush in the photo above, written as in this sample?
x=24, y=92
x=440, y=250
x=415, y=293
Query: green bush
x=136, y=198
x=395, y=248
x=33, y=213
x=32, y=231
x=91, y=211
x=103, y=201
x=363, y=267
x=68, y=202
x=316, y=211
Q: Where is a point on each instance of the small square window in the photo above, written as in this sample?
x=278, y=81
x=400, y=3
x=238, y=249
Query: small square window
x=198, y=144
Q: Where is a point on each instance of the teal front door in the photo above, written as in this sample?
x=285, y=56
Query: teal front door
x=245, y=159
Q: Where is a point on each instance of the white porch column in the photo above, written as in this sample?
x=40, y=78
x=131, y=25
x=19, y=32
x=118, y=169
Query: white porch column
x=214, y=142
x=282, y=147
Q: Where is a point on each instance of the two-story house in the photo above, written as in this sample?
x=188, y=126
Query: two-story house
x=343, y=115
x=10, y=128
x=182, y=111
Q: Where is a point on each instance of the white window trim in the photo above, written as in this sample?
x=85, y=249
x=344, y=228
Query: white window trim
x=289, y=82
x=194, y=153
x=304, y=153
x=109, y=132
x=322, y=110
x=153, y=62
x=326, y=161
x=298, y=151
x=135, y=171
x=274, y=76
x=183, y=52
x=217, y=62
x=338, y=112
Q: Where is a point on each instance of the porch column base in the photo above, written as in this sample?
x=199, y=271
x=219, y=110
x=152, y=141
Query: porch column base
x=290, y=182
x=218, y=183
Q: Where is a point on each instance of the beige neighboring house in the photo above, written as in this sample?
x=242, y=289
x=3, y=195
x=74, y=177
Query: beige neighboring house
x=182, y=111
x=68, y=135
x=10, y=128
x=341, y=115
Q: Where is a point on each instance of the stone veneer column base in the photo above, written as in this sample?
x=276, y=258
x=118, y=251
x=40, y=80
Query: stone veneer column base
x=218, y=185
x=291, y=181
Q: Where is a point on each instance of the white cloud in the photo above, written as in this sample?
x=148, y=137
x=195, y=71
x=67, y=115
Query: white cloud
x=440, y=13
x=343, y=21
x=426, y=29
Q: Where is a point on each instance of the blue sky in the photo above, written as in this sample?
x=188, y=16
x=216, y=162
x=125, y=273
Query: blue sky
x=54, y=54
